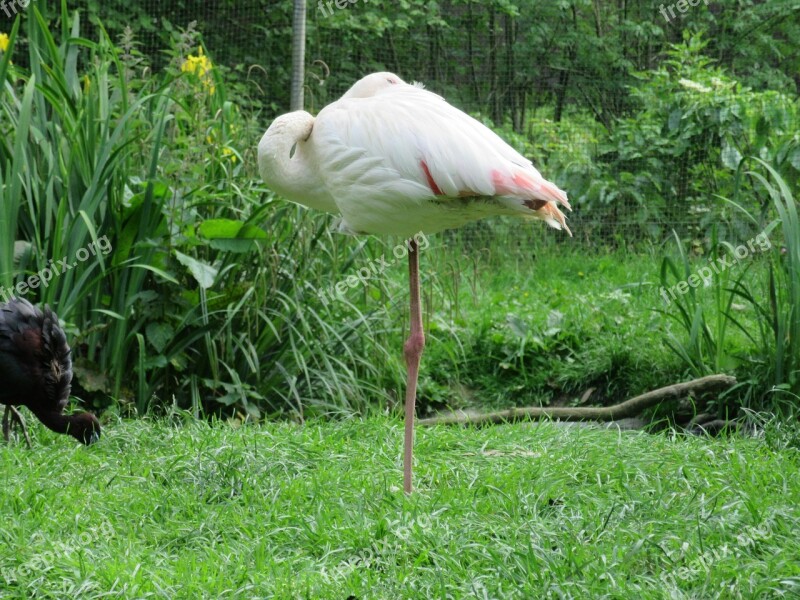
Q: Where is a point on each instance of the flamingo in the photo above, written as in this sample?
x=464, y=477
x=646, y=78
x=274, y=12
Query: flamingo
x=36, y=370
x=392, y=158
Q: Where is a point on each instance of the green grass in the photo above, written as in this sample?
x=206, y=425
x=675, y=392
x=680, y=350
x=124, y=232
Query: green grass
x=542, y=326
x=315, y=511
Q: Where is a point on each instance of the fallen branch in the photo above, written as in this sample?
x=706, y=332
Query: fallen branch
x=623, y=410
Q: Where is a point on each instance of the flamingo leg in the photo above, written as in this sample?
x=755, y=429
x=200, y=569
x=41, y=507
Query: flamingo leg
x=412, y=350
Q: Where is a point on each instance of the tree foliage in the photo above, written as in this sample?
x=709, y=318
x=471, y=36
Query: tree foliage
x=503, y=58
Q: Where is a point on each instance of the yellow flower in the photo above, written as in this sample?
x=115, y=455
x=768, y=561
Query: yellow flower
x=228, y=152
x=4, y=41
x=200, y=66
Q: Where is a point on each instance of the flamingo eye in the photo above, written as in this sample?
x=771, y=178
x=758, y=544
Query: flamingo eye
x=390, y=80
x=293, y=150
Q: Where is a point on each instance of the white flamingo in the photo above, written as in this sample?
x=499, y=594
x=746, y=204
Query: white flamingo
x=393, y=158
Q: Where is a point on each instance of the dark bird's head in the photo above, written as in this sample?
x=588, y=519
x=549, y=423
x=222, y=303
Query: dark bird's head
x=84, y=427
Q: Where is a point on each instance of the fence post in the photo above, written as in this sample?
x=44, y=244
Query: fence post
x=298, y=53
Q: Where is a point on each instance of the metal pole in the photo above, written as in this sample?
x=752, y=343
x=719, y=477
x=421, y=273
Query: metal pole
x=298, y=53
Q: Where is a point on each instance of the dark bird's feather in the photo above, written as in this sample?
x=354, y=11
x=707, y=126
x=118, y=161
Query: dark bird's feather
x=36, y=368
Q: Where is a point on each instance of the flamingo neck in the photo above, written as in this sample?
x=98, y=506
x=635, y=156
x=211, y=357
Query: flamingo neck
x=284, y=165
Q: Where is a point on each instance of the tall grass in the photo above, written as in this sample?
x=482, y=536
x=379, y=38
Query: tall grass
x=769, y=367
x=207, y=296
x=777, y=303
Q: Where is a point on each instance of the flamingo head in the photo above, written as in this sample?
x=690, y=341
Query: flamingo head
x=280, y=141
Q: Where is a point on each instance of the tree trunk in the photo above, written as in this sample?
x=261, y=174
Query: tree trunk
x=494, y=94
x=512, y=82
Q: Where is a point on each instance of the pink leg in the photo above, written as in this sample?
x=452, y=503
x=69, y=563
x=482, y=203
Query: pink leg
x=413, y=354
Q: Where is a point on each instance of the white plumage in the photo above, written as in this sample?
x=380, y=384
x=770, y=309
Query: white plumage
x=393, y=158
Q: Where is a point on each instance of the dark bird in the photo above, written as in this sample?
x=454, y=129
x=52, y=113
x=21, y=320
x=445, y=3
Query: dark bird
x=36, y=372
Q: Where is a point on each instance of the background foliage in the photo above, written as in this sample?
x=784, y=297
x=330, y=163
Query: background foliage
x=676, y=140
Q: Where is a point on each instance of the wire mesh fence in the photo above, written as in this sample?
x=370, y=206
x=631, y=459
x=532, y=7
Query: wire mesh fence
x=546, y=77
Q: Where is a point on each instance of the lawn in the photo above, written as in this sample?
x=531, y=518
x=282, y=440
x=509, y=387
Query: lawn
x=507, y=326
x=173, y=509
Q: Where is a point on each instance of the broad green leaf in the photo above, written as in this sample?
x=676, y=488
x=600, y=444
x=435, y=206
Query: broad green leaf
x=203, y=273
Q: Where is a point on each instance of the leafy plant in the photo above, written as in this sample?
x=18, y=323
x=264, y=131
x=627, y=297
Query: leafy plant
x=198, y=298
x=660, y=167
x=771, y=362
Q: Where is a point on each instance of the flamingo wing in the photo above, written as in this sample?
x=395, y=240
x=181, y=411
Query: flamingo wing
x=403, y=147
